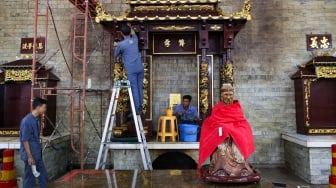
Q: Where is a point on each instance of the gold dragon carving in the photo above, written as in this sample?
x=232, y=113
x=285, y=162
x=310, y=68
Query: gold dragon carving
x=204, y=85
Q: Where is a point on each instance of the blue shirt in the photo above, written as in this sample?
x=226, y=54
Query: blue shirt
x=129, y=51
x=191, y=110
x=30, y=131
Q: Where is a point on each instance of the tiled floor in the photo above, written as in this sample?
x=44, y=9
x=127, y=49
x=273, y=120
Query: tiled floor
x=273, y=177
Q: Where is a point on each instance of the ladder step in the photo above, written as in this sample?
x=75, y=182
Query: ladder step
x=80, y=36
x=106, y=137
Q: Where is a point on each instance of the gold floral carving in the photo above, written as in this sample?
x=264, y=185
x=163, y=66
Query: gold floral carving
x=18, y=75
x=173, y=28
x=325, y=71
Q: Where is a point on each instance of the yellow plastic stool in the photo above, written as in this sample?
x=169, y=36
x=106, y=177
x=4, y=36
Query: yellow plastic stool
x=173, y=128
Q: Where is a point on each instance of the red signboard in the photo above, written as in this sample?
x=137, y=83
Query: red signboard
x=174, y=43
x=318, y=41
x=27, y=45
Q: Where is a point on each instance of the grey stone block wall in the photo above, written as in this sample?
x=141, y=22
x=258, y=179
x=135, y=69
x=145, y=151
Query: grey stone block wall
x=310, y=164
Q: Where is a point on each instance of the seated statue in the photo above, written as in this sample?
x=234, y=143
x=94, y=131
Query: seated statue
x=227, y=137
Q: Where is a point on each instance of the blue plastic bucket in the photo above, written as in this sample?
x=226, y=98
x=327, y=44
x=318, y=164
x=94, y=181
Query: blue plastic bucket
x=188, y=132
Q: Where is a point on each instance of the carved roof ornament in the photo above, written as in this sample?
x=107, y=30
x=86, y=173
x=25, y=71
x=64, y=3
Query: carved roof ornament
x=151, y=10
x=245, y=12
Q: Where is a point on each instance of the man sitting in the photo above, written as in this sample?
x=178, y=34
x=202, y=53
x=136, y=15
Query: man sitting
x=186, y=113
x=227, y=137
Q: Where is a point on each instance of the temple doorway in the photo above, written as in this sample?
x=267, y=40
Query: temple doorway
x=173, y=74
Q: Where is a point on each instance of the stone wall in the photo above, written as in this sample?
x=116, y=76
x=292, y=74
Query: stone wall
x=266, y=53
x=310, y=164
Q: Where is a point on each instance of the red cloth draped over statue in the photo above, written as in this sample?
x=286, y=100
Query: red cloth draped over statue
x=231, y=119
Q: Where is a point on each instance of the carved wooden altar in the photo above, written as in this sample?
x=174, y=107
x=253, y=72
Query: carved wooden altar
x=197, y=27
x=15, y=91
x=315, y=96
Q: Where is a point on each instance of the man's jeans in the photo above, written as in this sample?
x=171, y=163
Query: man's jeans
x=30, y=179
x=136, y=80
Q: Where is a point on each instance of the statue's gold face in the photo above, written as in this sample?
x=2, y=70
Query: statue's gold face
x=227, y=97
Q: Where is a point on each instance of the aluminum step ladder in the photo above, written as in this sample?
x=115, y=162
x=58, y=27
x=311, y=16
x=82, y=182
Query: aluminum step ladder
x=110, y=122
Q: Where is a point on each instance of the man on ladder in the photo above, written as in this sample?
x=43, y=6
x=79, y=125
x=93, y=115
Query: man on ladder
x=129, y=51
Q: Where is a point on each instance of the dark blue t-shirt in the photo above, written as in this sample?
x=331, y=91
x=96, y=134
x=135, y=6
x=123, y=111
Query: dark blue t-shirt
x=188, y=115
x=129, y=51
x=30, y=131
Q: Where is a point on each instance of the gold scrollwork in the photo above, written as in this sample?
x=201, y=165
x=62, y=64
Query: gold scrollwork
x=322, y=131
x=9, y=132
x=173, y=8
x=102, y=15
x=18, y=75
x=173, y=28
x=325, y=71
x=245, y=12
x=307, y=84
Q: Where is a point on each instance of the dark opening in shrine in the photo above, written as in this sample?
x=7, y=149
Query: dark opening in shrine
x=174, y=160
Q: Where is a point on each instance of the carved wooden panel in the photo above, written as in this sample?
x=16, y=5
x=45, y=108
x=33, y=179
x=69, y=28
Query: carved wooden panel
x=205, y=88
